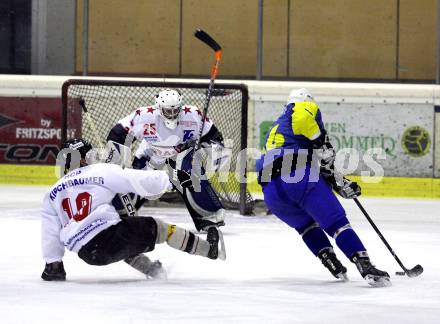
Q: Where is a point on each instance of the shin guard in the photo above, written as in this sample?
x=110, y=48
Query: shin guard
x=314, y=237
x=346, y=238
x=181, y=239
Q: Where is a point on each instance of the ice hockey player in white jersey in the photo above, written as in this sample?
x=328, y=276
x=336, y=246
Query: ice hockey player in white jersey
x=167, y=130
x=77, y=214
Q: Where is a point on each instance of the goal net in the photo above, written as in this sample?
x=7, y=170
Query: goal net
x=108, y=101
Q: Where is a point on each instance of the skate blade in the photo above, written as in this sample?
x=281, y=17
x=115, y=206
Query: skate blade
x=378, y=282
x=221, y=247
x=343, y=277
x=160, y=275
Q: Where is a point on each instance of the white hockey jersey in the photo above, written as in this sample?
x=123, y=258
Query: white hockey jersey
x=79, y=205
x=147, y=125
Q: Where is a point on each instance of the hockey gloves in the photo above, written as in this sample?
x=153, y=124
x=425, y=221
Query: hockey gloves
x=185, y=179
x=344, y=187
x=185, y=146
x=347, y=189
x=179, y=176
x=54, y=272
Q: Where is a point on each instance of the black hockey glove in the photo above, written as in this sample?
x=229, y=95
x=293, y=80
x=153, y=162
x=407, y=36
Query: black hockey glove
x=54, y=272
x=185, y=146
x=345, y=188
x=185, y=179
x=180, y=176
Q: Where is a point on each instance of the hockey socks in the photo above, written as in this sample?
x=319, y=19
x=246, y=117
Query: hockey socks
x=183, y=240
x=186, y=241
x=317, y=241
x=314, y=237
x=345, y=237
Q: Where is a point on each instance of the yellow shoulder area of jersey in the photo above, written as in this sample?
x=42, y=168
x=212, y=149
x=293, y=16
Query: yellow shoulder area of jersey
x=303, y=119
x=310, y=108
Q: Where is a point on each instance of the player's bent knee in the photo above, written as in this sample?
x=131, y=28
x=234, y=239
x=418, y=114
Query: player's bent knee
x=306, y=228
x=338, y=227
x=94, y=257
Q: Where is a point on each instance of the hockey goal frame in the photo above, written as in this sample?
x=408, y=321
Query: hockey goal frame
x=245, y=208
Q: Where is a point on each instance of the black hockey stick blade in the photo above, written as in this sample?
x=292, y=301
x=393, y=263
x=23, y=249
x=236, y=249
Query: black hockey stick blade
x=415, y=272
x=208, y=40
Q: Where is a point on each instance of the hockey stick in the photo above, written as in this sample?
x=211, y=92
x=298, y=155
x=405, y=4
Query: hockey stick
x=92, y=124
x=414, y=272
x=208, y=40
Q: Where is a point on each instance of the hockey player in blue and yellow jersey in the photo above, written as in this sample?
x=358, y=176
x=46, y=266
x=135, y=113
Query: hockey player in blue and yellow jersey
x=296, y=172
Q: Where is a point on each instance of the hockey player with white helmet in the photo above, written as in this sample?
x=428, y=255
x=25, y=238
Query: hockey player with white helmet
x=300, y=95
x=169, y=103
x=168, y=131
x=77, y=215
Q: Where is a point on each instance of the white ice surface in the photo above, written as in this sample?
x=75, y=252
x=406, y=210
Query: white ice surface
x=269, y=275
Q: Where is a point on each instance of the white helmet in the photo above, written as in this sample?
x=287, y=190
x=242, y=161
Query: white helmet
x=169, y=103
x=300, y=95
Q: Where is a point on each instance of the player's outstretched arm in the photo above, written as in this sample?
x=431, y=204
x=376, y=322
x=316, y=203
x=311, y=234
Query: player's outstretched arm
x=52, y=247
x=145, y=183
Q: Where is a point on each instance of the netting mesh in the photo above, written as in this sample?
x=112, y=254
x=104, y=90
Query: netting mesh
x=109, y=101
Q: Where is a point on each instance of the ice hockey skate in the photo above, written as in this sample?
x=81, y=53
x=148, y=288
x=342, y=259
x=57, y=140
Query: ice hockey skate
x=151, y=269
x=332, y=263
x=374, y=276
x=215, y=239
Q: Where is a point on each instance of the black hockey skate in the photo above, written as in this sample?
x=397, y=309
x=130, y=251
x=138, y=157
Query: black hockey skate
x=54, y=272
x=156, y=271
x=215, y=219
x=151, y=269
x=332, y=263
x=217, y=244
x=374, y=276
x=206, y=224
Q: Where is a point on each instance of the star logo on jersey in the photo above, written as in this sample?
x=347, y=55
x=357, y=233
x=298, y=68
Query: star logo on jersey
x=186, y=110
x=138, y=112
x=150, y=109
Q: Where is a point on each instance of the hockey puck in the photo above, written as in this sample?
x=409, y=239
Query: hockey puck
x=400, y=273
